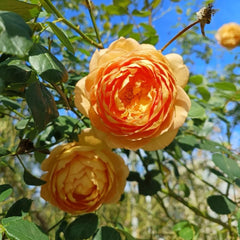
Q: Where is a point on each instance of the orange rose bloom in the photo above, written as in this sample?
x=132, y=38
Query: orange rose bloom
x=134, y=95
x=229, y=35
x=81, y=176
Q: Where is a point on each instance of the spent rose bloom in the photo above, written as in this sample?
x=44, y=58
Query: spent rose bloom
x=228, y=35
x=134, y=95
x=81, y=176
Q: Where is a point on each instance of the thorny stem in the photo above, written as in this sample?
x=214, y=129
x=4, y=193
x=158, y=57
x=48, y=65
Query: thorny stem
x=90, y=7
x=60, y=92
x=159, y=199
x=179, y=34
x=142, y=160
x=75, y=28
x=21, y=162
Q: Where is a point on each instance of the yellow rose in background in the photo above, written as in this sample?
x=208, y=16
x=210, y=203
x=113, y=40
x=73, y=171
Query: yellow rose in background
x=134, y=95
x=81, y=176
x=229, y=35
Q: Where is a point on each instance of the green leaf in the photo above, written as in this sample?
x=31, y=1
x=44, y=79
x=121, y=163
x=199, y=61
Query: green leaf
x=179, y=10
x=134, y=176
x=213, y=146
x=122, y=3
x=227, y=165
x=5, y=191
x=187, y=233
x=185, y=230
x=138, y=13
x=196, y=111
x=32, y=180
x=61, y=36
x=221, y=204
x=9, y=103
x=47, y=65
x=107, y=233
x=238, y=226
x=185, y=189
x=150, y=185
x=180, y=225
x=150, y=30
x=126, y=29
x=18, y=228
x=60, y=230
x=46, y=7
x=82, y=228
x=4, y=151
x=15, y=34
x=22, y=124
x=13, y=77
x=127, y=235
x=155, y=3
x=26, y=10
x=115, y=10
x=227, y=86
x=39, y=156
x=196, y=79
x=189, y=140
x=42, y=104
x=204, y=92
x=19, y=207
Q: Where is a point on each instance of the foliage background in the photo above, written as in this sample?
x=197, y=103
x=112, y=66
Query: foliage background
x=190, y=190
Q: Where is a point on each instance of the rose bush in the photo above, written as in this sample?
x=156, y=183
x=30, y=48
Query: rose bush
x=228, y=35
x=81, y=176
x=134, y=95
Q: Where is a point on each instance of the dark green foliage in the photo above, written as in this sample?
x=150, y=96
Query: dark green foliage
x=20, y=207
x=105, y=233
x=82, y=228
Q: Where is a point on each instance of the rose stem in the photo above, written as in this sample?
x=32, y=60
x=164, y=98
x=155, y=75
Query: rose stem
x=179, y=34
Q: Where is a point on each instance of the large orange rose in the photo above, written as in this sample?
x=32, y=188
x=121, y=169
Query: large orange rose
x=134, y=95
x=229, y=35
x=81, y=176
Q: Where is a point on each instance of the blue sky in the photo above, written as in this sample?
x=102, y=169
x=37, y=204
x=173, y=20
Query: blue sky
x=228, y=12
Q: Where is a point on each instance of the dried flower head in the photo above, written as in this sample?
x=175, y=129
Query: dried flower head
x=205, y=15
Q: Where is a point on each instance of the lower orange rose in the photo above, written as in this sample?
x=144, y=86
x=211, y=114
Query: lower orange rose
x=134, y=95
x=81, y=176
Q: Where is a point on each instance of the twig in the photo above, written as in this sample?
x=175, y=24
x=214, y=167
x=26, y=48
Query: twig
x=69, y=24
x=60, y=92
x=159, y=200
x=196, y=210
x=89, y=6
x=179, y=34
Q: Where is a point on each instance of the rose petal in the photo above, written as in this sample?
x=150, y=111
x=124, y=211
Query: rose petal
x=161, y=141
x=182, y=107
x=120, y=47
x=120, y=142
x=128, y=44
x=87, y=138
x=121, y=172
x=81, y=101
x=179, y=69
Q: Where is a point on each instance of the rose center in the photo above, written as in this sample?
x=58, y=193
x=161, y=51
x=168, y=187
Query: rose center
x=136, y=99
